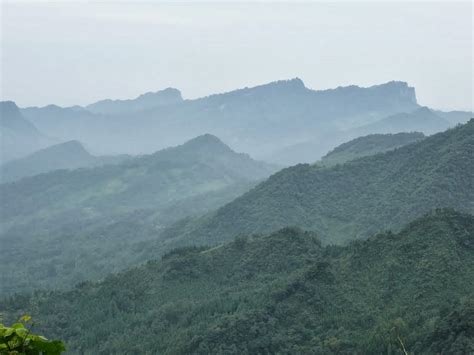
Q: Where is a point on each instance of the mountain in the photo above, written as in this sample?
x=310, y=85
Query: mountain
x=369, y=145
x=421, y=120
x=67, y=226
x=349, y=201
x=280, y=293
x=200, y=165
x=455, y=117
x=71, y=124
x=259, y=121
x=143, y=102
x=68, y=155
x=19, y=137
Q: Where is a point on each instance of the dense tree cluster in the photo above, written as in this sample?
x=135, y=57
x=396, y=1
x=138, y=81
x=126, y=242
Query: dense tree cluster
x=281, y=293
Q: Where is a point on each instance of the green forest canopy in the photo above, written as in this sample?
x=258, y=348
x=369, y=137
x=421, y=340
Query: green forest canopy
x=281, y=293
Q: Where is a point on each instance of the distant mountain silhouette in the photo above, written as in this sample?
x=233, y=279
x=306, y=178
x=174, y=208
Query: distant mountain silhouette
x=260, y=120
x=68, y=155
x=421, y=120
x=143, y=102
x=455, y=117
x=19, y=137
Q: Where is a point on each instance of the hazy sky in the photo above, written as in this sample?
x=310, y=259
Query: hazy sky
x=76, y=52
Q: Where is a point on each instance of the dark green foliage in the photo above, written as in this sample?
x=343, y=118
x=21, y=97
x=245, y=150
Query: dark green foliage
x=68, y=226
x=281, y=293
x=368, y=145
x=353, y=200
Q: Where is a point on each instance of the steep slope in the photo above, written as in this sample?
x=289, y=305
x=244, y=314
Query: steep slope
x=352, y=200
x=421, y=120
x=69, y=225
x=368, y=145
x=68, y=155
x=19, y=137
x=143, y=102
x=282, y=293
x=259, y=120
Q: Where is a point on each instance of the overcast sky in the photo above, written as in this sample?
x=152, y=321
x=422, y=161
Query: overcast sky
x=76, y=52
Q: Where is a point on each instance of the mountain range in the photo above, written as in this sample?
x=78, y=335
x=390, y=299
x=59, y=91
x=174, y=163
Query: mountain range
x=258, y=120
x=351, y=233
x=69, y=224
x=422, y=120
x=146, y=101
x=19, y=136
x=130, y=212
x=352, y=200
x=283, y=122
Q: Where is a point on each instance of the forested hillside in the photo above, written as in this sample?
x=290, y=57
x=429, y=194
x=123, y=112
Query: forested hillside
x=281, y=293
x=368, y=145
x=68, y=226
x=353, y=200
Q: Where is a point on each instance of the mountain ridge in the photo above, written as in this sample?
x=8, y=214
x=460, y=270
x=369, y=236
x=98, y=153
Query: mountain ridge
x=356, y=198
x=144, y=101
x=258, y=120
x=19, y=137
x=97, y=220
